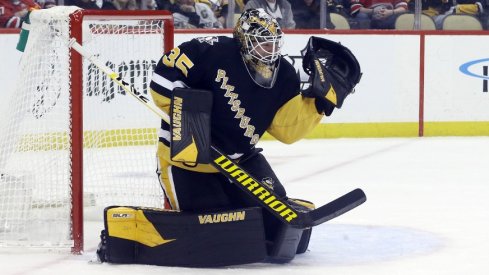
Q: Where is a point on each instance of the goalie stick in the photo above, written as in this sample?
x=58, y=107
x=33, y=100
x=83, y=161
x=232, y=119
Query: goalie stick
x=261, y=193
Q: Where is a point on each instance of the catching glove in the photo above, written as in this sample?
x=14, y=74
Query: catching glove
x=333, y=73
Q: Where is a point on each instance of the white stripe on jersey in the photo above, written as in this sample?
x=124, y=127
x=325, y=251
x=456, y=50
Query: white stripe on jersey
x=167, y=84
x=164, y=134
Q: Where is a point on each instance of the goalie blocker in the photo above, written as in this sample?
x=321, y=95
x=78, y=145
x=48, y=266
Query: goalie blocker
x=137, y=235
x=190, y=125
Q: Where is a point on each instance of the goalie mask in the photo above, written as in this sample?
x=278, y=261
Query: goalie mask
x=260, y=39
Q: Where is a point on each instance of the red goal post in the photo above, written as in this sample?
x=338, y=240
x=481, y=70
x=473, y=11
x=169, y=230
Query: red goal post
x=76, y=20
x=72, y=141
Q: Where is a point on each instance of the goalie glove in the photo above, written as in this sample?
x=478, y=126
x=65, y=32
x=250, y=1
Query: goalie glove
x=333, y=73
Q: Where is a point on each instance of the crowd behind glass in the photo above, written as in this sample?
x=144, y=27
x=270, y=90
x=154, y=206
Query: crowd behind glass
x=291, y=14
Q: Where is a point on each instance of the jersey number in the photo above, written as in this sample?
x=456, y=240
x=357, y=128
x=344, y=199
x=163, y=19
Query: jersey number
x=181, y=61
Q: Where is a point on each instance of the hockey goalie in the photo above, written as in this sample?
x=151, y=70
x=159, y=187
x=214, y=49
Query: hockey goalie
x=229, y=207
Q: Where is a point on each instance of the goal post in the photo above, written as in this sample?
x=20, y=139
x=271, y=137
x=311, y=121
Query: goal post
x=73, y=139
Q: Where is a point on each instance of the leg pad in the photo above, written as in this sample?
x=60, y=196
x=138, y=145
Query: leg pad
x=171, y=238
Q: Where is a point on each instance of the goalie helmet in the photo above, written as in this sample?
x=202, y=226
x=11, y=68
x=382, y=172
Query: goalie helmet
x=260, y=40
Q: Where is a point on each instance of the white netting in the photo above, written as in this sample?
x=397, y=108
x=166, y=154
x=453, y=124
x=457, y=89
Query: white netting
x=119, y=133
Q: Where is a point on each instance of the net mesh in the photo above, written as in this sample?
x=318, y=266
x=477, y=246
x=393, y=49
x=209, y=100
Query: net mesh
x=119, y=134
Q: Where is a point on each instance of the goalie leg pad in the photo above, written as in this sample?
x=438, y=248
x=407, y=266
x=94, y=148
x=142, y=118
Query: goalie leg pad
x=303, y=206
x=304, y=242
x=136, y=235
x=190, y=116
x=284, y=247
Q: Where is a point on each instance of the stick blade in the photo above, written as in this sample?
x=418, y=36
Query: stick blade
x=336, y=207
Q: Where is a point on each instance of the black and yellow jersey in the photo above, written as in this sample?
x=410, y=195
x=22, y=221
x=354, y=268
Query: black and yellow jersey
x=242, y=110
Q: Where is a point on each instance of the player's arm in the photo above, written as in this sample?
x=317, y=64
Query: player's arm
x=334, y=71
x=176, y=69
x=165, y=79
x=295, y=119
x=187, y=136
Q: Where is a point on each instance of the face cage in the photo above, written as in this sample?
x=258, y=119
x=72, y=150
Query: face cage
x=255, y=45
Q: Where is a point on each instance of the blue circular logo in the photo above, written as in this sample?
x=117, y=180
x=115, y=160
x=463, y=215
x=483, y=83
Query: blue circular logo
x=465, y=68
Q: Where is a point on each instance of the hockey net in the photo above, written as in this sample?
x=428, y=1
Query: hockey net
x=73, y=140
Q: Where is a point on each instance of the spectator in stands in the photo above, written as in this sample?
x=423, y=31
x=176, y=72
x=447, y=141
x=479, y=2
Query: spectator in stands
x=239, y=6
x=46, y=4
x=125, y=4
x=192, y=18
x=150, y=4
x=281, y=10
x=448, y=7
x=307, y=13
x=13, y=12
x=377, y=14
x=431, y=8
x=220, y=8
x=164, y=5
x=91, y=4
x=338, y=6
x=189, y=14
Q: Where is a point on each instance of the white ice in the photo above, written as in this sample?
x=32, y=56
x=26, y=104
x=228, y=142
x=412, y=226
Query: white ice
x=427, y=212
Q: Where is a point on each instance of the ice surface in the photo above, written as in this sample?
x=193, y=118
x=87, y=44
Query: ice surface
x=427, y=212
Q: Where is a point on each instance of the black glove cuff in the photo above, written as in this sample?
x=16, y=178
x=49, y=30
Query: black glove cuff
x=324, y=106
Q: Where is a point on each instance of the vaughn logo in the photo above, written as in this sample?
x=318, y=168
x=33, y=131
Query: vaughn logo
x=222, y=217
x=478, y=69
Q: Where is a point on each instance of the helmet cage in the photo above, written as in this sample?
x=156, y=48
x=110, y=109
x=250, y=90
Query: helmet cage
x=260, y=41
x=263, y=48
